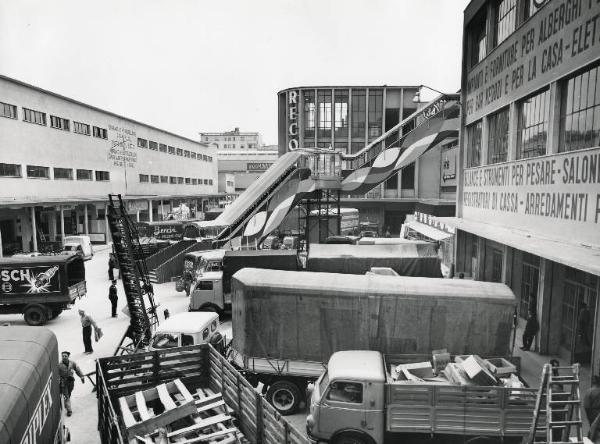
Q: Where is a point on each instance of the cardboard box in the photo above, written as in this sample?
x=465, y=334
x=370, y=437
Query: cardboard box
x=477, y=370
x=421, y=370
x=500, y=367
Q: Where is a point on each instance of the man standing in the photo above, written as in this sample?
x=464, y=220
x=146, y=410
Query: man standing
x=583, y=324
x=112, y=295
x=111, y=265
x=86, y=328
x=67, y=380
x=531, y=328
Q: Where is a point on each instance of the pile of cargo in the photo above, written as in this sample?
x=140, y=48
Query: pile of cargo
x=466, y=370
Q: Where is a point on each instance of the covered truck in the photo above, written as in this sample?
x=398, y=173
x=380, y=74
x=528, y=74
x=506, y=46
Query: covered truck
x=40, y=287
x=287, y=324
x=30, y=411
x=413, y=258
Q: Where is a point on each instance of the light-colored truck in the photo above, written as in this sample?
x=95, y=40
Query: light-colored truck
x=287, y=324
x=357, y=401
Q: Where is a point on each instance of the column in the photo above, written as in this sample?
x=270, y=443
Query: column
x=106, y=226
x=62, y=224
x=34, y=229
x=1, y=255
x=162, y=210
x=552, y=146
x=150, y=210
x=544, y=313
x=53, y=225
x=85, y=219
x=137, y=215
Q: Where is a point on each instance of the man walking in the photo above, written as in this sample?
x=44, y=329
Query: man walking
x=67, y=380
x=112, y=295
x=86, y=328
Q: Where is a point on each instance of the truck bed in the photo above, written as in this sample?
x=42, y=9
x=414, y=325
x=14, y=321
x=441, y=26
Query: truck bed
x=289, y=367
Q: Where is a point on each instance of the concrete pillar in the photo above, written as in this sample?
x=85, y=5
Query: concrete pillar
x=552, y=145
x=34, y=229
x=62, y=224
x=85, y=219
x=137, y=215
x=150, y=217
x=53, y=225
x=106, y=227
x=1, y=255
x=544, y=299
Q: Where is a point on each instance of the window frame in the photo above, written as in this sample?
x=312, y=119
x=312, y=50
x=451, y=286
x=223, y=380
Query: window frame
x=77, y=128
x=42, y=168
x=102, y=176
x=91, y=174
x=99, y=132
x=69, y=170
x=28, y=113
x=59, y=123
x=18, y=170
x=330, y=388
x=11, y=115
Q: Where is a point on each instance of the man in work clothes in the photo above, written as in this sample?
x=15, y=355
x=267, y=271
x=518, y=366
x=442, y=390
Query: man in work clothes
x=86, y=328
x=67, y=380
x=112, y=295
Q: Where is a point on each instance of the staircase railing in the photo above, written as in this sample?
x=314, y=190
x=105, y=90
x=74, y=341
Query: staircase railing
x=165, y=254
x=174, y=266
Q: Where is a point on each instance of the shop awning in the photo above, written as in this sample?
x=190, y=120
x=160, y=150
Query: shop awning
x=428, y=230
x=579, y=256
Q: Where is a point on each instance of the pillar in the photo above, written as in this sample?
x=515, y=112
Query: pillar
x=34, y=229
x=137, y=215
x=85, y=219
x=53, y=226
x=162, y=210
x=544, y=299
x=62, y=224
x=106, y=227
x=1, y=242
x=150, y=217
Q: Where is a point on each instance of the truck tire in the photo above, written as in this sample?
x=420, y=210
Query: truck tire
x=352, y=438
x=35, y=315
x=285, y=396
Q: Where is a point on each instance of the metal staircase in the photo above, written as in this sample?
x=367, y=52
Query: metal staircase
x=134, y=275
x=558, y=405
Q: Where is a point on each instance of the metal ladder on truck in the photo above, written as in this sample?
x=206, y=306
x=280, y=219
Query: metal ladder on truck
x=559, y=401
x=134, y=275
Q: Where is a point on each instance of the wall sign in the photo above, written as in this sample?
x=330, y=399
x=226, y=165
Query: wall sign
x=122, y=147
x=561, y=37
x=258, y=166
x=292, y=129
x=448, y=173
x=555, y=195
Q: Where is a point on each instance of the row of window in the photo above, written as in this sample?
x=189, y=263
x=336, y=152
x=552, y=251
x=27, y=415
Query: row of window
x=38, y=117
x=579, y=122
x=234, y=146
x=145, y=178
x=163, y=148
x=43, y=172
x=226, y=138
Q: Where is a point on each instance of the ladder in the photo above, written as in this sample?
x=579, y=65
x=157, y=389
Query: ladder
x=559, y=402
x=134, y=275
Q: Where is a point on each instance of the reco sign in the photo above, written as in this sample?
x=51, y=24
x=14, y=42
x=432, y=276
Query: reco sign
x=292, y=120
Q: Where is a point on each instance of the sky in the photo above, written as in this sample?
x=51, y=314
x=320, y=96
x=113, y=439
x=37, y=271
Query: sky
x=191, y=66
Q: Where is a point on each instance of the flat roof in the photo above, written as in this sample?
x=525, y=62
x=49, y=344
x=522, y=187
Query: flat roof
x=348, y=86
x=95, y=108
x=188, y=323
x=362, y=365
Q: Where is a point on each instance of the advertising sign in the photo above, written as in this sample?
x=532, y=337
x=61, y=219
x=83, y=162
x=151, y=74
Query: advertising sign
x=292, y=129
x=258, y=166
x=168, y=232
x=122, y=147
x=448, y=173
x=556, y=195
x=29, y=280
x=560, y=37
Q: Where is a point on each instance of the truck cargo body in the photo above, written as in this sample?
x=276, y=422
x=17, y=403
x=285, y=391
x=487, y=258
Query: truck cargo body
x=380, y=410
x=413, y=258
x=40, y=287
x=287, y=324
x=199, y=366
x=31, y=409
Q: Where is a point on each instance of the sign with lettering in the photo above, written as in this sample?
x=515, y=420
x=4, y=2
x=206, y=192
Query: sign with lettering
x=39, y=416
x=292, y=129
x=547, y=195
x=122, y=147
x=560, y=37
x=448, y=173
x=258, y=166
x=17, y=279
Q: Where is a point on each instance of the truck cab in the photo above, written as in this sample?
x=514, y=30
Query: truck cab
x=207, y=294
x=348, y=399
x=185, y=329
x=80, y=245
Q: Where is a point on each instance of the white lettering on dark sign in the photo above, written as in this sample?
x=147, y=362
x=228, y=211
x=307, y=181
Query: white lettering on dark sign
x=258, y=166
x=292, y=120
x=39, y=416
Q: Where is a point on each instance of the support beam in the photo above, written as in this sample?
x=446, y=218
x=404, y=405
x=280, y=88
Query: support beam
x=85, y=219
x=106, y=227
x=62, y=224
x=34, y=229
x=150, y=217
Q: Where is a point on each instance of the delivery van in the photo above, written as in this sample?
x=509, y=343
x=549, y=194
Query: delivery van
x=80, y=245
x=183, y=329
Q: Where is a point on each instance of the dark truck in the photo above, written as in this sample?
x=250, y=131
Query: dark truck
x=30, y=411
x=40, y=287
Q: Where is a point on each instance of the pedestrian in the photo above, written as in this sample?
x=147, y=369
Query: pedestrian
x=86, y=328
x=67, y=381
x=531, y=328
x=112, y=295
x=591, y=405
x=111, y=265
x=583, y=324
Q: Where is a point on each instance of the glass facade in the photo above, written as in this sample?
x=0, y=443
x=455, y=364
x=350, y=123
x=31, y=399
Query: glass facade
x=359, y=117
x=532, y=129
x=309, y=116
x=506, y=20
x=340, y=113
x=498, y=137
x=474, y=133
x=324, y=114
x=375, y=113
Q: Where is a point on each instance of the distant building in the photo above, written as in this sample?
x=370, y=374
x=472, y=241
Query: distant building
x=245, y=165
x=233, y=140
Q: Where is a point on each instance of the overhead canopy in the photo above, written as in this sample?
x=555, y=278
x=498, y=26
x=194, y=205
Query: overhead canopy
x=428, y=231
x=579, y=256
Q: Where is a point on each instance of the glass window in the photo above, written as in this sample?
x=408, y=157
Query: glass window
x=408, y=177
x=340, y=113
x=188, y=181
x=172, y=180
x=193, y=154
x=38, y=172
x=529, y=283
x=101, y=133
x=171, y=149
x=8, y=110
x=532, y=128
x=154, y=179
x=186, y=153
x=213, y=326
x=477, y=38
x=63, y=173
x=530, y=7
x=179, y=151
x=81, y=128
x=10, y=170
x=162, y=147
x=498, y=137
x=357, y=146
x=342, y=391
x=580, y=112
x=143, y=178
x=59, y=123
x=187, y=340
x=205, y=334
x=164, y=179
x=375, y=113
x=102, y=176
x=142, y=143
x=474, y=144
x=324, y=101
x=165, y=340
x=359, y=113
x=505, y=20
x=84, y=174
x=32, y=116
x=180, y=180
x=153, y=145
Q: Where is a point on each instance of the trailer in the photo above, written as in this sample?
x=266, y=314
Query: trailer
x=202, y=370
x=40, y=287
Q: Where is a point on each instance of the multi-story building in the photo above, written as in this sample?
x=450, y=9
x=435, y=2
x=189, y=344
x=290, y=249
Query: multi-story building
x=60, y=158
x=245, y=165
x=528, y=207
x=233, y=140
x=348, y=118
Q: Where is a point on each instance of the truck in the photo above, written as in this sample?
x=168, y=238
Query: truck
x=31, y=409
x=212, y=290
x=40, y=287
x=413, y=258
x=357, y=401
x=286, y=325
x=198, y=367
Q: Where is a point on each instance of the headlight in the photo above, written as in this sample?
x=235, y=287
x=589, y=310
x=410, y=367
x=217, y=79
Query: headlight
x=310, y=422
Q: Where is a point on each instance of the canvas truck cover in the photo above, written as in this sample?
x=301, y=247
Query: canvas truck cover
x=48, y=276
x=416, y=258
x=308, y=316
x=234, y=261
x=30, y=409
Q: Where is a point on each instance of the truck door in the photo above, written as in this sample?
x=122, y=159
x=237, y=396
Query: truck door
x=205, y=294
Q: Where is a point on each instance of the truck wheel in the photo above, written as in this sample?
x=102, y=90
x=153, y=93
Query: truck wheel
x=35, y=315
x=351, y=438
x=285, y=396
x=56, y=312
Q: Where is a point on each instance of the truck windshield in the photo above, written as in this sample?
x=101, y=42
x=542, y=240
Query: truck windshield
x=165, y=340
x=323, y=383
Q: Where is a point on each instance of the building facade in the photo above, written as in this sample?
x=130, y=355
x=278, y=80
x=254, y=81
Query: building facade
x=60, y=158
x=528, y=203
x=233, y=140
x=245, y=165
x=348, y=118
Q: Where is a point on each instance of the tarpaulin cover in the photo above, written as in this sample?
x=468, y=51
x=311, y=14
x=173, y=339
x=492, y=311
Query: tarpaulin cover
x=28, y=360
x=308, y=316
x=416, y=258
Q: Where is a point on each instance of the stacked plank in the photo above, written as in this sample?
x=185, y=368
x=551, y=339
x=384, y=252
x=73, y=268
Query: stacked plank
x=169, y=413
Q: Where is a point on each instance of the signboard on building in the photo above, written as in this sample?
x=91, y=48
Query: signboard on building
x=551, y=195
x=560, y=37
x=122, y=147
x=258, y=166
x=137, y=205
x=293, y=128
x=29, y=280
x=448, y=173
